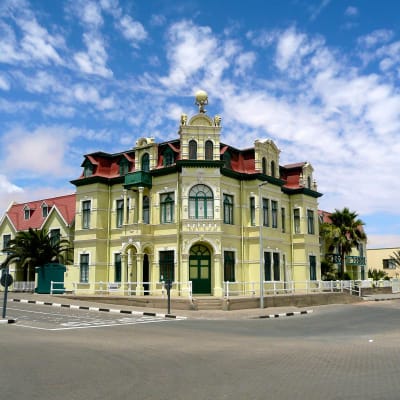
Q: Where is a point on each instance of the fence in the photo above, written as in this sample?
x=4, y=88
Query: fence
x=275, y=288
x=126, y=288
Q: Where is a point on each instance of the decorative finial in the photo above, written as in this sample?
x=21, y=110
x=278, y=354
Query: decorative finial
x=183, y=119
x=217, y=120
x=201, y=100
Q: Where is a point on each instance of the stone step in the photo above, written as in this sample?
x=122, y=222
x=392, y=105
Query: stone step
x=207, y=304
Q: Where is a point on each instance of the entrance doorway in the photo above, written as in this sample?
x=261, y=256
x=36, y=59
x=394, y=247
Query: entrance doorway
x=146, y=275
x=200, y=269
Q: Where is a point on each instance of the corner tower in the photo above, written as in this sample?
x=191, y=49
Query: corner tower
x=200, y=136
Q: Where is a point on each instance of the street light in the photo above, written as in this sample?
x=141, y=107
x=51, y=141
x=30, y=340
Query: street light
x=260, y=211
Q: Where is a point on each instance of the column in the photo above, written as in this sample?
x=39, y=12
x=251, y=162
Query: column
x=124, y=268
x=140, y=209
x=125, y=212
x=139, y=274
x=218, y=262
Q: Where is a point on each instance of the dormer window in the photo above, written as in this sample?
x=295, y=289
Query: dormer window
x=123, y=166
x=168, y=157
x=273, y=172
x=27, y=213
x=146, y=162
x=45, y=210
x=88, y=169
x=227, y=159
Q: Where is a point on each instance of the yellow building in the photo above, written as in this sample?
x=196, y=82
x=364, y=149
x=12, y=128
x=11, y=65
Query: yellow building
x=193, y=209
x=380, y=259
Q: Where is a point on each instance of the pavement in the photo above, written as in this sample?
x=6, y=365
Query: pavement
x=271, y=312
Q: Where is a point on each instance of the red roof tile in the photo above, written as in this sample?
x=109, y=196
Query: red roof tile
x=64, y=204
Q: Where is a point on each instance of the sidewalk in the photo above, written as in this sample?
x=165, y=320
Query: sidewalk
x=253, y=313
x=189, y=314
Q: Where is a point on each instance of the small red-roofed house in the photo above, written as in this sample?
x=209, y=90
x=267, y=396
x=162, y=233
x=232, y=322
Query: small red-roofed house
x=55, y=214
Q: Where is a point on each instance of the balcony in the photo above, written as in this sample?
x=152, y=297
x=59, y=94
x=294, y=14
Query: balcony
x=137, y=179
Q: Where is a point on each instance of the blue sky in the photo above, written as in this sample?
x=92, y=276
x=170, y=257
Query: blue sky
x=319, y=77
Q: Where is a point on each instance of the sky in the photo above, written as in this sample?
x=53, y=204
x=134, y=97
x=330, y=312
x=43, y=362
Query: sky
x=321, y=78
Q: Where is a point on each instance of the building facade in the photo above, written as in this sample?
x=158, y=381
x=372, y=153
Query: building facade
x=55, y=214
x=195, y=210
x=381, y=260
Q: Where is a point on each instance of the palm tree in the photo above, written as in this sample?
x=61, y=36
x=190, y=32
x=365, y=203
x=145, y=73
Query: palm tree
x=36, y=247
x=344, y=232
x=396, y=258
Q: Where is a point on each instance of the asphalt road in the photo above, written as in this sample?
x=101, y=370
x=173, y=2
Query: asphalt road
x=337, y=352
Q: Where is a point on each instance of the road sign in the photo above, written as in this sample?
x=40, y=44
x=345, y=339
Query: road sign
x=6, y=280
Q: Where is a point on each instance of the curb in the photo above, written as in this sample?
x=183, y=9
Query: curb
x=288, y=314
x=89, y=308
x=8, y=321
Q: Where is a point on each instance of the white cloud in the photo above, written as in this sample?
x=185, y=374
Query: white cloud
x=4, y=83
x=351, y=11
x=38, y=152
x=189, y=49
x=132, y=30
x=95, y=59
x=89, y=94
x=376, y=37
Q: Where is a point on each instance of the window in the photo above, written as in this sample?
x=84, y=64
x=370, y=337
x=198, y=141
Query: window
x=283, y=219
x=55, y=236
x=310, y=222
x=309, y=182
x=123, y=166
x=167, y=265
x=313, y=268
x=273, y=172
x=296, y=220
x=88, y=168
x=120, y=212
x=84, y=268
x=267, y=267
x=388, y=264
x=146, y=210
x=228, y=209
x=252, y=211
x=201, y=202
x=265, y=216
x=117, y=267
x=264, y=166
x=167, y=208
x=6, y=239
x=229, y=266
x=192, y=150
x=45, y=210
x=226, y=157
x=209, y=149
x=277, y=272
x=86, y=214
x=27, y=213
x=168, y=157
x=274, y=210
x=146, y=162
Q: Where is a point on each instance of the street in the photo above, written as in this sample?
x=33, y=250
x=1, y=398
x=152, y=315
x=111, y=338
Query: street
x=337, y=352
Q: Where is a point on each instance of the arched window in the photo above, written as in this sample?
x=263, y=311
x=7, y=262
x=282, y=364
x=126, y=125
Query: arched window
x=273, y=168
x=123, y=166
x=146, y=162
x=264, y=166
x=309, y=182
x=201, y=202
x=192, y=150
x=209, y=149
x=227, y=159
x=168, y=157
x=146, y=210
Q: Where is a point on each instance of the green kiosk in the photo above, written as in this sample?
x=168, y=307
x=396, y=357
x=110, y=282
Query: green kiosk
x=48, y=273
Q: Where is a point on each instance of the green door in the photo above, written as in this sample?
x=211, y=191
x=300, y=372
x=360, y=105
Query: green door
x=200, y=269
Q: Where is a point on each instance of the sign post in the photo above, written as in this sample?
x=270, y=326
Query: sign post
x=6, y=281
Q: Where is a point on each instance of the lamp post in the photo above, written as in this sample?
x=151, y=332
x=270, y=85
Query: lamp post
x=260, y=185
